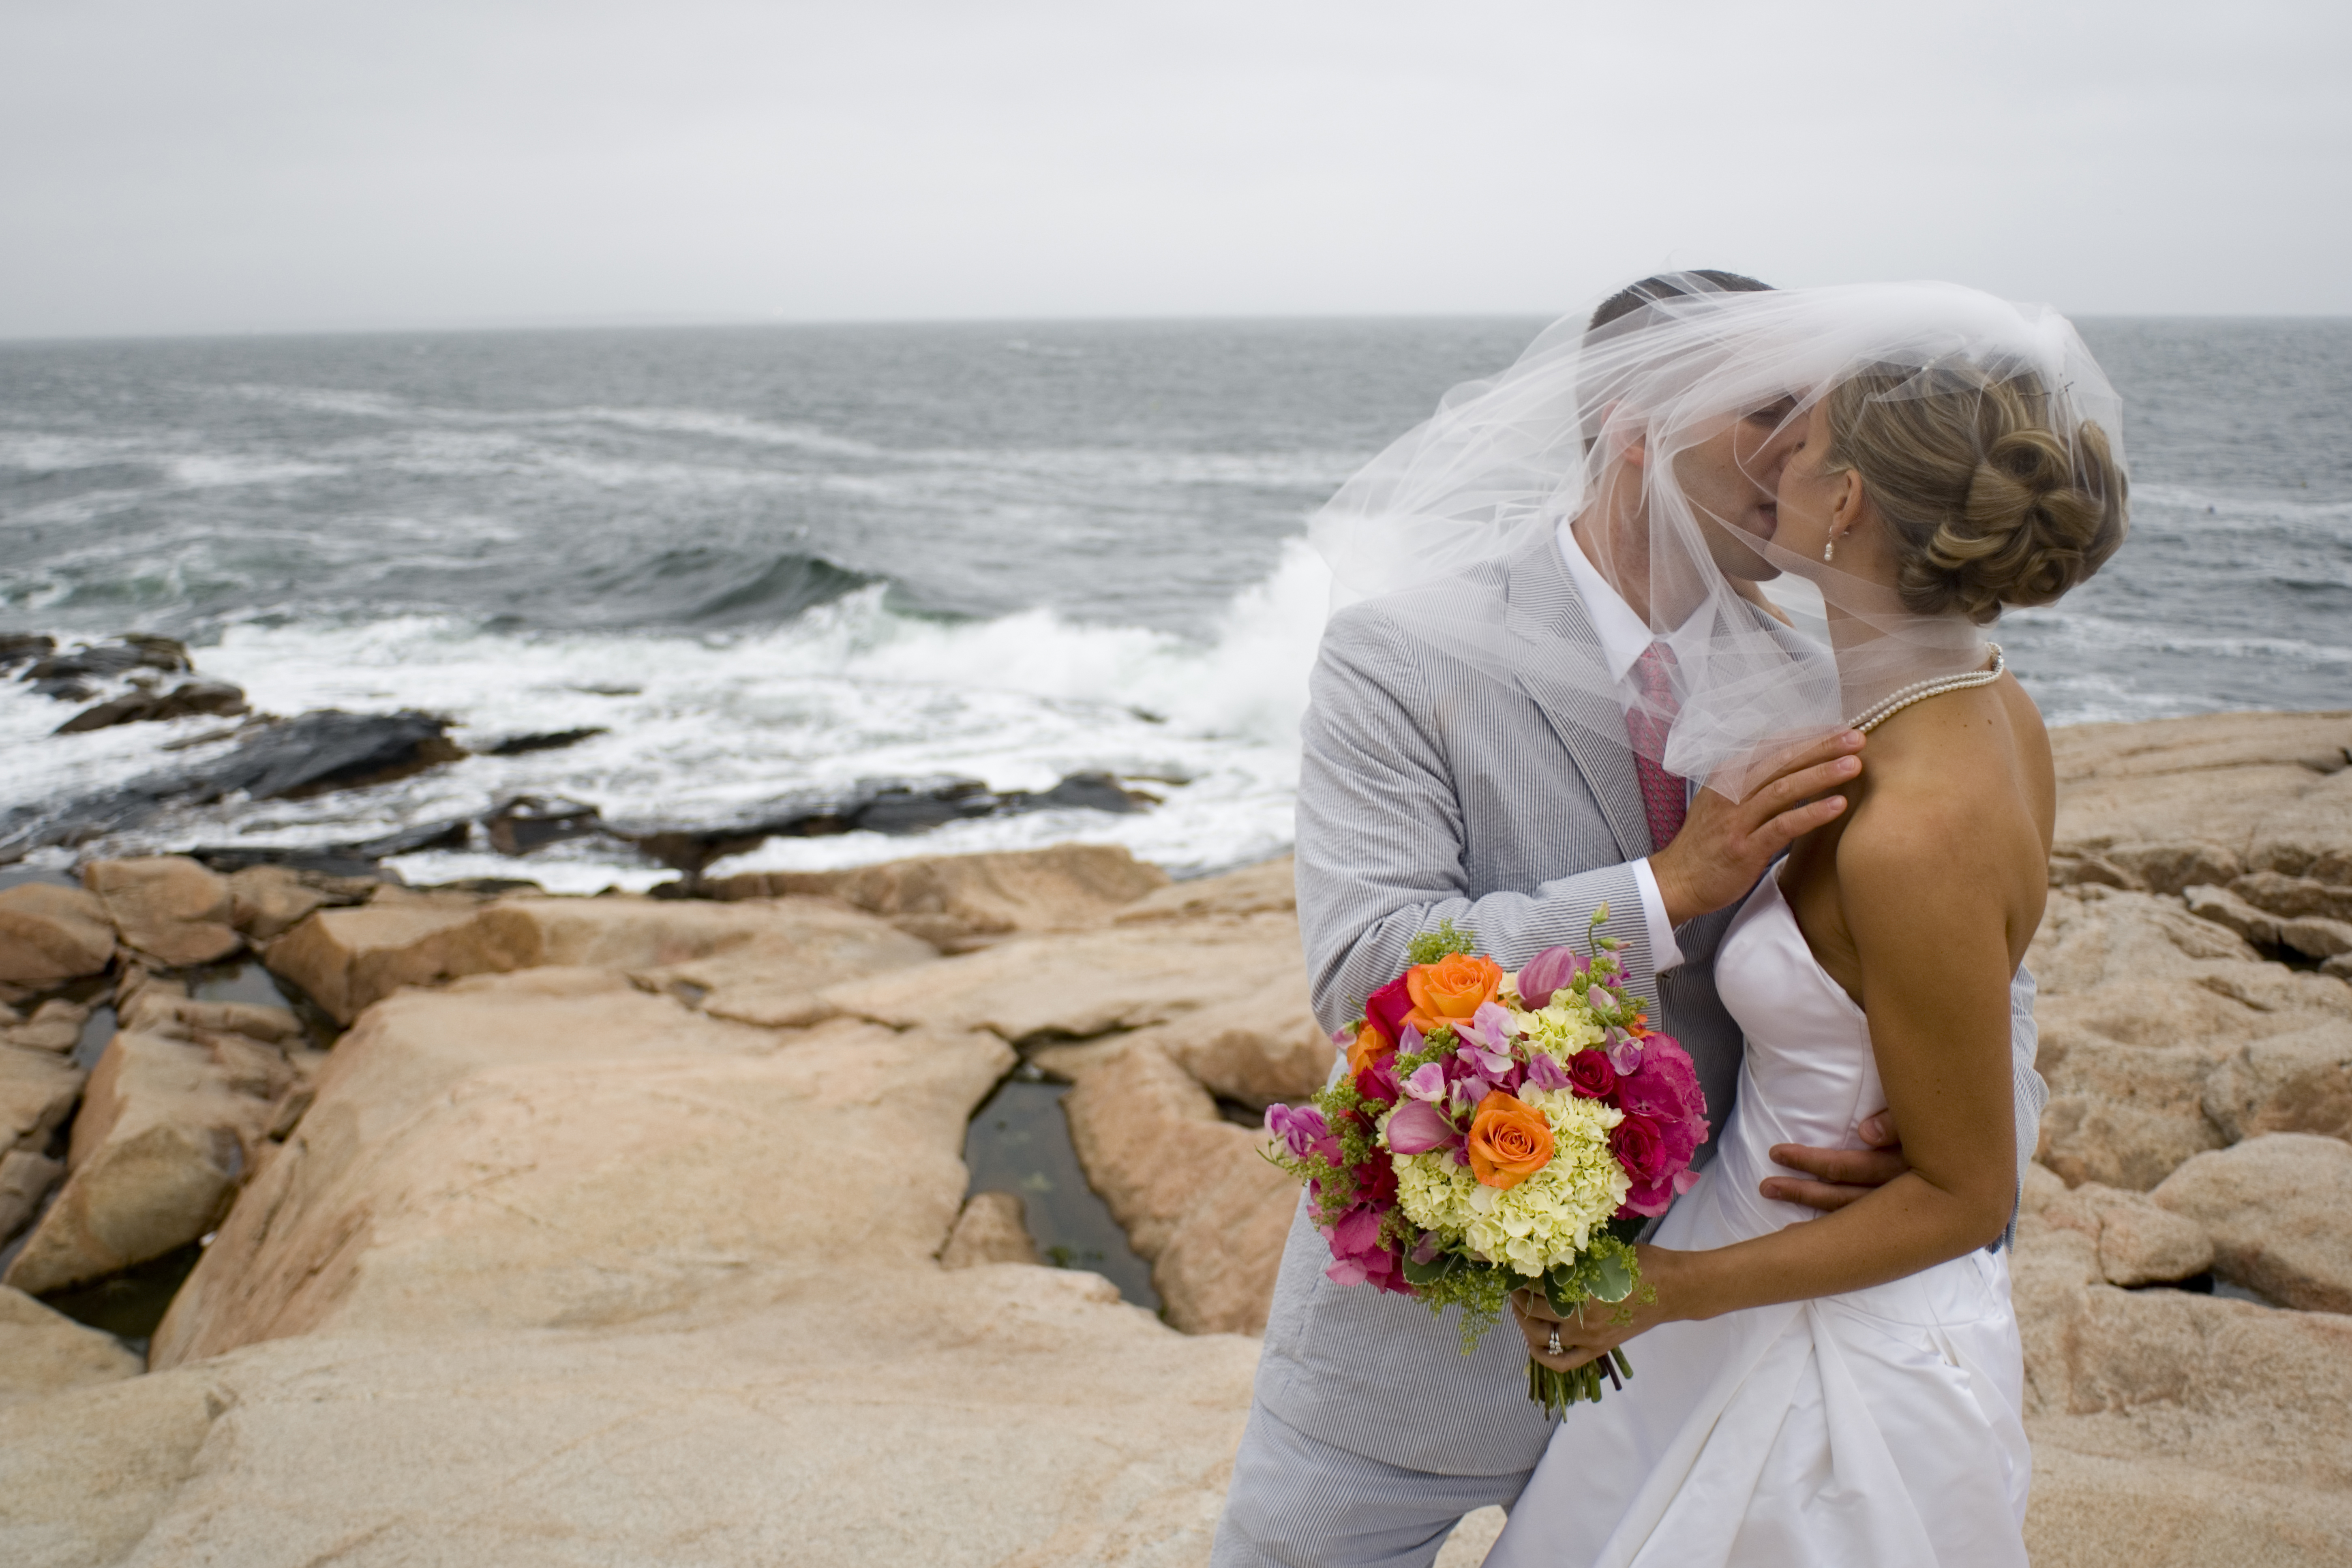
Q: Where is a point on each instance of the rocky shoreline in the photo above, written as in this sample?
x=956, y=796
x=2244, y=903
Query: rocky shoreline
x=634, y=1229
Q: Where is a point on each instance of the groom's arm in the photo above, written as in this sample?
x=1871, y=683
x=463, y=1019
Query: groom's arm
x=1383, y=842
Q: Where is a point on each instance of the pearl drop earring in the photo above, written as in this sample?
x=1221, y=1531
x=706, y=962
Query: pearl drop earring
x=1829, y=550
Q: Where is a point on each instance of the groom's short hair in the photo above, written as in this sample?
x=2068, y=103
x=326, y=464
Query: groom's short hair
x=1668, y=286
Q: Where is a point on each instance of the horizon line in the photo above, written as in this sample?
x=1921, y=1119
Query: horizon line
x=656, y=322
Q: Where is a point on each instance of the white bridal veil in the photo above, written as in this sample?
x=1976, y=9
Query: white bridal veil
x=1617, y=425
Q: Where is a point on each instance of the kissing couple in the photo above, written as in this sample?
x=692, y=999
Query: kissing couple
x=1815, y=822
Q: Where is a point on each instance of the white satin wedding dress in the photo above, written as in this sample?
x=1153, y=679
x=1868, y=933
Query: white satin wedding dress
x=1876, y=1429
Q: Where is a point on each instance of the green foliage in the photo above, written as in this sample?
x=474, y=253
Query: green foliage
x=1604, y=1271
x=1447, y=939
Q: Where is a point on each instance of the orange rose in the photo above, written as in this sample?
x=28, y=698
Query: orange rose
x=1449, y=991
x=1370, y=1047
x=1510, y=1141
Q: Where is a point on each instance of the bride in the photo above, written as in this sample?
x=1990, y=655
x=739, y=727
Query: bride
x=1847, y=1390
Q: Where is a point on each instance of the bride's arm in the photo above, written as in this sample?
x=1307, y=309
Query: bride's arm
x=1931, y=928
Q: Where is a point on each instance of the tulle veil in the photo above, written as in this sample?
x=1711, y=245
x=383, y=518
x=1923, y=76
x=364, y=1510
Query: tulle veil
x=1429, y=527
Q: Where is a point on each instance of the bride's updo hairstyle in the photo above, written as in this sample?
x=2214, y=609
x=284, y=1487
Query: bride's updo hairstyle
x=1989, y=503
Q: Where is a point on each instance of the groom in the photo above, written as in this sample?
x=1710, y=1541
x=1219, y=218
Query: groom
x=1423, y=795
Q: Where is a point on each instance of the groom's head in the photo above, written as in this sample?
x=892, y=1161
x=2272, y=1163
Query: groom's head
x=1731, y=477
x=1671, y=286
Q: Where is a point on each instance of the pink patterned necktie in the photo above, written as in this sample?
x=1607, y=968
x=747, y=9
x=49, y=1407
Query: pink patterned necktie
x=1664, y=800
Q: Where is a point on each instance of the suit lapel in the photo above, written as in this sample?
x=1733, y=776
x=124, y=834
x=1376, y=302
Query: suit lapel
x=1552, y=622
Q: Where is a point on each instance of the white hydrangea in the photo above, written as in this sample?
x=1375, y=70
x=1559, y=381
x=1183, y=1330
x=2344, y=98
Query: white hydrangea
x=1560, y=1031
x=1548, y=1219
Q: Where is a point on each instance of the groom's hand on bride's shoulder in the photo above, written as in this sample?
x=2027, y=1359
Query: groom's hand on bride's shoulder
x=1726, y=845
x=1835, y=1177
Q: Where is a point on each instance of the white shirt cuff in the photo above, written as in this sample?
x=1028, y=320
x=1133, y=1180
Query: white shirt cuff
x=1665, y=952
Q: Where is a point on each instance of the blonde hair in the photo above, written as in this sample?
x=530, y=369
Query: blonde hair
x=1991, y=502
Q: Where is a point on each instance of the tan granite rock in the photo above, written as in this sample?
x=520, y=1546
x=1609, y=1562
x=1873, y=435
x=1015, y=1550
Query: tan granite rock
x=638, y=1284
x=1471, y=1539
x=1151, y=1142
x=2143, y=1007
x=762, y=962
x=2308, y=836
x=2138, y=1242
x=1216, y=1274
x=55, y=1025
x=49, y=934
x=1270, y=886
x=346, y=959
x=2315, y=936
x=991, y=1229
x=2290, y=897
x=86, y=1472
x=170, y=1128
x=2169, y=803
x=2298, y=1082
x=1089, y=983
x=166, y=1009
x=555, y=1146
x=26, y=1182
x=37, y=1091
x=952, y=900
x=167, y=907
x=2279, y=1209
x=44, y=1353
x=2220, y=1398
x=267, y=901
x=966, y=1418
x=1255, y=1049
x=1192, y=1190
x=2092, y=1510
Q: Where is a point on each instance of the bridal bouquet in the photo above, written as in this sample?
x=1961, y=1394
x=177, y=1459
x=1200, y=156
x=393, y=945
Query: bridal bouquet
x=1496, y=1131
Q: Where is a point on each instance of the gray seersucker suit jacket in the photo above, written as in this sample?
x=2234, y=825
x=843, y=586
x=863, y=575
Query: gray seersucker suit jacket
x=1431, y=790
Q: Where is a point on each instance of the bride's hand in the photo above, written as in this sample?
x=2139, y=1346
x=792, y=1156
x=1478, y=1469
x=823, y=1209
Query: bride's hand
x=1599, y=1326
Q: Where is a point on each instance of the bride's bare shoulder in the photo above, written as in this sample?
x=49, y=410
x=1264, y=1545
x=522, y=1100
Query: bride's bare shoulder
x=1966, y=770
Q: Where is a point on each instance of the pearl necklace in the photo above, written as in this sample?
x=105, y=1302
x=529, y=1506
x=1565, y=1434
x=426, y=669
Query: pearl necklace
x=1886, y=707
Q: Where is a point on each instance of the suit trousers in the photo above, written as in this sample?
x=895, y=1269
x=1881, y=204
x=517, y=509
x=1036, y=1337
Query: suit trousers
x=1297, y=1501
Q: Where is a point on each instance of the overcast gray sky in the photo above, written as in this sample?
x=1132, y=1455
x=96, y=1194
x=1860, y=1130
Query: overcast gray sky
x=205, y=166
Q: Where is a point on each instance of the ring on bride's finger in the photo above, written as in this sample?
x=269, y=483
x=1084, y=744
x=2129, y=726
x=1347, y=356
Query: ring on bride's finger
x=1551, y=1345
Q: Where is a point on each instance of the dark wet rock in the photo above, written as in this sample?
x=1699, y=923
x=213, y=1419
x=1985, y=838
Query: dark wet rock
x=552, y=740
x=65, y=688
x=530, y=822
x=456, y=832
x=1089, y=791
x=104, y=660
x=189, y=698
x=895, y=806
x=912, y=809
x=291, y=760
x=23, y=647
x=305, y=861
x=328, y=750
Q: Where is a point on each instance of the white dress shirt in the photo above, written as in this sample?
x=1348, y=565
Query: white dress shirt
x=1623, y=635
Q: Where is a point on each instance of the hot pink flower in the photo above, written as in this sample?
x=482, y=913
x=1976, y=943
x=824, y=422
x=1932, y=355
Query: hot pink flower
x=1385, y=1009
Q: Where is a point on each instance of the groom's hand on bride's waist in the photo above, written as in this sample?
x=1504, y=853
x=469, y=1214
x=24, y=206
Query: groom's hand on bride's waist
x=1725, y=844
x=1835, y=1177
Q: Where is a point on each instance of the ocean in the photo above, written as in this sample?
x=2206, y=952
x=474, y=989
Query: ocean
x=768, y=560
